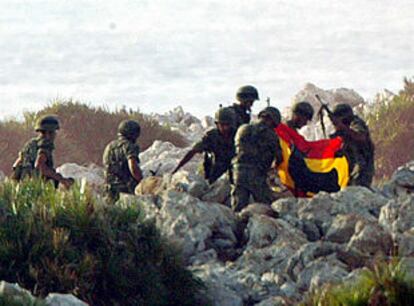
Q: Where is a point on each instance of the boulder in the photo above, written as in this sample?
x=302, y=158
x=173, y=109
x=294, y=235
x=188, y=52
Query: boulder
x=274, y=301
x=257, y=209
x=402, y=181
x=16, y=293
x=406, y=243
x=92, y=175
x=196, y=225
x=343, y=227
x=57, y=299
x=398, y=214
x=370, y=238
x=218, y=192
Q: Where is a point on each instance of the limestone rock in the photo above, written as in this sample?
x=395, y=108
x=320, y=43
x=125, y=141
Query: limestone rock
x=398, y=214
x=15, y=292
x=402, y=181
x=370, y=238
x=343, y=227
x=406, y=244
x=218, y=192
x=93, y=174
x=57, y=299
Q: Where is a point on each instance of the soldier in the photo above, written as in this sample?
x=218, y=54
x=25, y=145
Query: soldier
x=121, y=161
x=257, y=147
x=358, y=146
x=246, y=95
x=217, y=145
x=36, y=157
x=302, y=113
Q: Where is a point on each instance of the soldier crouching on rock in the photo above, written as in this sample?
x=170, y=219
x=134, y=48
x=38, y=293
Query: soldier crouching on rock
x=257, y=147
x=121, y=161
x=36, y=157
x=358, y=146
x=217, y=145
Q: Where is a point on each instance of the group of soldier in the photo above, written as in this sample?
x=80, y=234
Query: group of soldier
x=246, y=150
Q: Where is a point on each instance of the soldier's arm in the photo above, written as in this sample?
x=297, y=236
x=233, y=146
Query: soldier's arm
x=135, y=169
x=357, y=132
x=198, y=147
x=48, y=172
x=187, y=157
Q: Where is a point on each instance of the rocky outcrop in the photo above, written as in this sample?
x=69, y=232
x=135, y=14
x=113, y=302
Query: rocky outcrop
x=19, y=296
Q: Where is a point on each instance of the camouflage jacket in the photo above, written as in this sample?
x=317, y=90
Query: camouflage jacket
x=242, y=117
x=221, y=149
x=29, y=154
x=360, y=155
x=115, y=159
x=257, y=146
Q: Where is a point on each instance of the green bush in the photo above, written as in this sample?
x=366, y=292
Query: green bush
x=392, y=126
x=70, y=242
x=385, y=284
x=84, y=133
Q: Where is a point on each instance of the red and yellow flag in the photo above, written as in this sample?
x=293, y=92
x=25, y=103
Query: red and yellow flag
x=311, y=166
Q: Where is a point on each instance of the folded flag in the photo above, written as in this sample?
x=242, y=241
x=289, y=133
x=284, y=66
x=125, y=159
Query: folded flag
x=311, y=166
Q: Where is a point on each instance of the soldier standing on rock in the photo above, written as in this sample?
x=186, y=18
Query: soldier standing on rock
x=217, y=145
x=257, y=147
x=358, y=146
x=121, y=161
x=246, y=95
x=36, y=157
x=302, y=113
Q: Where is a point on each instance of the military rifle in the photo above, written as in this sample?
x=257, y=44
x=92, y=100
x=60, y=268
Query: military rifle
x=324, y=107
x=155, y=172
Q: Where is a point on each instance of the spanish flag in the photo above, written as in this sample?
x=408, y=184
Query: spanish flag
x=311, y=166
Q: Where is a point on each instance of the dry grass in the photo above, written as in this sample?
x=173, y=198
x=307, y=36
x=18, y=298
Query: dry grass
x=85, y=131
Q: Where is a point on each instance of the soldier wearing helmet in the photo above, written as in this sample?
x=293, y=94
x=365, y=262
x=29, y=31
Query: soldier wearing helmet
x=36, y=157
x=121, y=161
x=302, y=113
x=257, y=148
x=246, y=95
x=358, y=146
x=217, y=145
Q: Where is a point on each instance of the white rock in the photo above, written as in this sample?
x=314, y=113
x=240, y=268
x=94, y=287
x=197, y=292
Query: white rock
x=57, y=299
x=93, y=174
x=15, y=292
x=371, y=238
x=398, y=214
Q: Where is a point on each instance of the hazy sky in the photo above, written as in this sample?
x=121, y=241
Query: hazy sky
x=158, y=54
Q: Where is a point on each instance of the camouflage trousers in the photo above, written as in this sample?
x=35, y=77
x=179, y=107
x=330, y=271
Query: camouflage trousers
x=249, y=183
x=113, y=191
x=361, y=176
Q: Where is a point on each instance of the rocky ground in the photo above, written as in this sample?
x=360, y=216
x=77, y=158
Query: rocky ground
x=269, y=255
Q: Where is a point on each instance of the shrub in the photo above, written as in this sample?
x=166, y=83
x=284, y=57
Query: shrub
x=70, y=242
x=385, y=284
x=392, y=127
x=84, y=133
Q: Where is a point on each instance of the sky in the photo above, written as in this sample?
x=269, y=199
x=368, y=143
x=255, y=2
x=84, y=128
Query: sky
x=155, y=55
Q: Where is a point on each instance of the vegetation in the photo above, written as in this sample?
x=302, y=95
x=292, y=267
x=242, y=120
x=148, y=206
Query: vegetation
x=392, y=127
x=84, y=133
x=71, y=242
x=385, y=284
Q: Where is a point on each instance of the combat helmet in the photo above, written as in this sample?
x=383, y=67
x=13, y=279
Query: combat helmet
x=129, y=129
x=343, y=111
x=247, y=92
x=273, y=113
x=47, y=123
x=303, y=108
x=225, y=115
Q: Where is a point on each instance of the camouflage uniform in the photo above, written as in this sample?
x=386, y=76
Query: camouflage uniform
x=242, y=117
x=28, y=155
x=360, y=156
x=222, y=151
x=257, y=146
x=117, y=175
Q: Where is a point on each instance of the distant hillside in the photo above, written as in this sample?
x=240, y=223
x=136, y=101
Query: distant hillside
x=392, y=129
x=85, y=131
